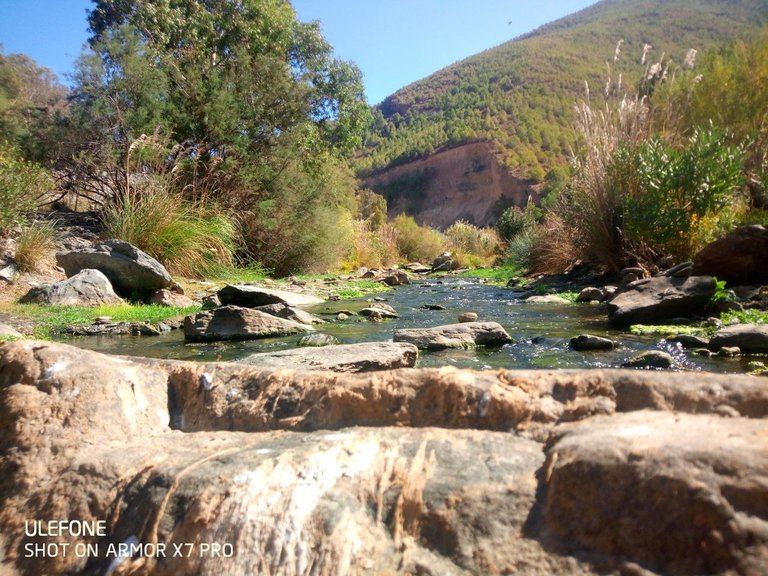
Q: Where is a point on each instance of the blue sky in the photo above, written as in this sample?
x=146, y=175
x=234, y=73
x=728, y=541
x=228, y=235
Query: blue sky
x=394, y=42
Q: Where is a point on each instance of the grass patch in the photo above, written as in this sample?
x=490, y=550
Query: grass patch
x=51, y=320
x=750, y=316
x=251, y=273
x=497, y=275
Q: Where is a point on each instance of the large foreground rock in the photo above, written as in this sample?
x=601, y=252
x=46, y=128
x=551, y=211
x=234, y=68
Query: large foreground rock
x=660, y=298
x=254, y=296
x=86, y=288
x=275, y=468
x=749, y=338
x=675, y=493
x=462, y=335
x=739, y=258
x=236, y=323
x=365, y=357
x=130, y=270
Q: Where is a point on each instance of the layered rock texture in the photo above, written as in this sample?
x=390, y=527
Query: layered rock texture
x=431, y=472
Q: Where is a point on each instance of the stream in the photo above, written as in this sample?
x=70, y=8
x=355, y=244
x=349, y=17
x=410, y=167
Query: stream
x=541, y=332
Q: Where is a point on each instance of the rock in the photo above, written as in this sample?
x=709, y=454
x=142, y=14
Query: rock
x=749, y=338
x=380, y=473
x=236, y=323
x=9, y=332
x=113, y=329
x=379, y=310
x=86, y=288
x=317, y=339
x=252, y=296
x=433, y=307
x=660, y=298
x=444, y=263
x=417, y=268
x=9, y=273
x=462, y=335
x=393, y=278
x=591, y=294
x=729, y=351
x=629, y=275
x=683, y=270
x=548, y=299
x=290, y=313
x=465, y=317
x=675, y=493
x=341, y=316
x=166, y=297
x=651, y=359
x=587, y=342
x=211, y=301
x=130, y=270
x=689, y=341
x=365, y=357
x=739, y=258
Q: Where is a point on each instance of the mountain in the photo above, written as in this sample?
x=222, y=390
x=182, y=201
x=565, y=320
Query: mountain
x=501, y=119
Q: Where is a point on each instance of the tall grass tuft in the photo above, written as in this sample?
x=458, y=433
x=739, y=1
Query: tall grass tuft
x=191, y=240
x=417, y=243
x=471, y=245
x=35, y=247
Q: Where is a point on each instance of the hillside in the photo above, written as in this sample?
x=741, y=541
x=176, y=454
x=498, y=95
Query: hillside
x=519, y=96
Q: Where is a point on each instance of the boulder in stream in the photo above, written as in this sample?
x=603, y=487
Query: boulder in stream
x=749, y=338
x=462, y=335
x=660, y=298
x=236, y=323
x=249, y=296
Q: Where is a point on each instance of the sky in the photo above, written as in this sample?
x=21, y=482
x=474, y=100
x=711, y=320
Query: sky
x=394, y=42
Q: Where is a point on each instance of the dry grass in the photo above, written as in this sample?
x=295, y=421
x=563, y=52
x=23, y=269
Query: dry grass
x=35, y=247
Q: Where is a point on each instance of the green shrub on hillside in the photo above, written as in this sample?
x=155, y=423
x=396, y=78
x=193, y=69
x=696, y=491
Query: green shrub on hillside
x=22, y=183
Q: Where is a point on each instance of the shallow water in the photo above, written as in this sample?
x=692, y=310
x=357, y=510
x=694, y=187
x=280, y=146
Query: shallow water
x=541, y=332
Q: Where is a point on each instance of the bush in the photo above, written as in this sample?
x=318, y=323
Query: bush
x=371, y=248
x=22, y=183
x=473, y=246
x=514, y=221
x=35, y=247
x=191, y=240
x=417, y=243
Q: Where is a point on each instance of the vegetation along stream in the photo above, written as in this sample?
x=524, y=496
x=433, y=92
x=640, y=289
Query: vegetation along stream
x=542, y=332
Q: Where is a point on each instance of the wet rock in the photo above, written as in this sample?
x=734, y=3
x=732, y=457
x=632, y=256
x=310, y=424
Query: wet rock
x=433, y=307
x=739, y=258
x=729, y=351
x=548, y=299
x=253, y=296
x=467, y=317
x=682, y=270
x=660, y=298
x=341, y=316
x=236, y=323
x=651, y=359
x=290, y=313
x=591, y=294
x=364, y=357
x=749, y=338
x=86, y=288
x=168, y=298
x=675, y=493
x=462, y=335
x=629, y=275
x=130, y=270
x=380, y=310
x=588, y=342
x=317, y=339
x=113, y=329
x=689, y=341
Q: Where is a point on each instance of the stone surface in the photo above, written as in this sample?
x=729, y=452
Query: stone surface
x=236, y=323
x=317, y=339
x=380, y=309
x=547, y=299
x=86, y=288
x=166, y=297
x=461, y=335
x=365, y=357
x=9, y=332
x=587, y=342
x=739, y=258
x=749, y=338
x=394, y=472
x=651, y=359
x=393, y=278
x=674, y=493
x=591, y=294
x=254, y=296
x=660, y=298
x=130, y=270
x=689, y=341
x=444, y=263
x=467, y=317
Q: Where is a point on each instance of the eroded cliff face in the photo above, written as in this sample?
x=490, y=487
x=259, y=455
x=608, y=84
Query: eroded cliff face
x=463, y=183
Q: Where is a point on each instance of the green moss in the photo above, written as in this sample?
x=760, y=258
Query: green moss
x=745, y=317
x=667, y=330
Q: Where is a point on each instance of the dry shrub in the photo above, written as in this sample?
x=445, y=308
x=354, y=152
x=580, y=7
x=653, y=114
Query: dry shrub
x=35, y=247
x=472, y=246
x=372, y=248
x=417, y=243
x=553, y=248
